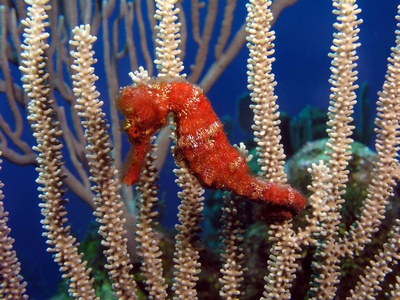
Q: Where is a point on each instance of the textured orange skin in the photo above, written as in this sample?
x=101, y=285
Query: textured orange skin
x=201, y=144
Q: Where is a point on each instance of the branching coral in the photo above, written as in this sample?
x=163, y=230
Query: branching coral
x=89, y=144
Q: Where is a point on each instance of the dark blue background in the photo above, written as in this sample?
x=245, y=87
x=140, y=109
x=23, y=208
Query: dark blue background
x=303, y=39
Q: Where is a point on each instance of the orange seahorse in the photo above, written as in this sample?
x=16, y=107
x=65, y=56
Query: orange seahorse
x=201, y=144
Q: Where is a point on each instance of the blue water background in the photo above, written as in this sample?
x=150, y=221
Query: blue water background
x=303, y=39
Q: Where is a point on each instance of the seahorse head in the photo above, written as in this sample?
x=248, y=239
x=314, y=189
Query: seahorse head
x=145, y=112
x=143, y=107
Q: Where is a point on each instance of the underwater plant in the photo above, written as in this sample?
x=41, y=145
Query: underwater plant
x=91, y=146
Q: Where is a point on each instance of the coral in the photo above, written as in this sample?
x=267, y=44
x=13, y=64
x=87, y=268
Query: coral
x=309, y=125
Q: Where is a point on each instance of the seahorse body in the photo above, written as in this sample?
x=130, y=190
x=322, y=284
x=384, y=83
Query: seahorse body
x=201, y=144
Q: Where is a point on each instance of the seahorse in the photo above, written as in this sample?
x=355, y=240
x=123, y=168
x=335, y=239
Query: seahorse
x=201, y=144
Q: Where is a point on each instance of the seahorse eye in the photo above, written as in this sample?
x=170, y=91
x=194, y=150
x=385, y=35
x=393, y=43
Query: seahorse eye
x=135, y=135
